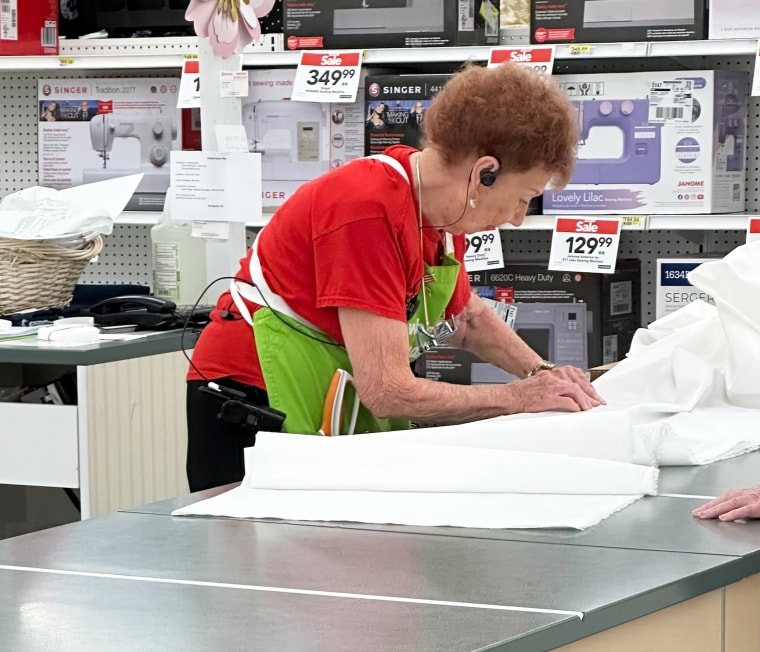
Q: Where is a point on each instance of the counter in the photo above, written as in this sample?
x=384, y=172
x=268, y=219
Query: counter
x=122, y=443
x=649, y=577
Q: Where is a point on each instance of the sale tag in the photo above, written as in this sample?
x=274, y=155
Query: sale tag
x=582, y=244
x=327, y=76
x=189, y=96
x=538, y=57
x=483, y=251
x=753, y=229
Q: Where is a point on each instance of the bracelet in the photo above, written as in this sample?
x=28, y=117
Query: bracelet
x=544, y=365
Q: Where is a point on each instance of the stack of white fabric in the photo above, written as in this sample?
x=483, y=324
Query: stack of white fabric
x=687, y=393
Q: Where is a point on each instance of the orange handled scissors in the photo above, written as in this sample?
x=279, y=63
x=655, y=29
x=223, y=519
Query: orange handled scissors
x=332, y=415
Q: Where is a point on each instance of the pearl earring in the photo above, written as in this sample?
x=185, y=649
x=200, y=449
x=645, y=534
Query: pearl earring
x=473, y=203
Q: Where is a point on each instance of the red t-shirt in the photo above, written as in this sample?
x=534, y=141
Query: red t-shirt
x=349, y=238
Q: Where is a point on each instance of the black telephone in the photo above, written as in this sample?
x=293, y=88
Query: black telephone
x=145, y=312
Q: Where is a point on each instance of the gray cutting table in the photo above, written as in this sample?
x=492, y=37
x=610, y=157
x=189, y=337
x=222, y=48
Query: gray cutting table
x=648, y=578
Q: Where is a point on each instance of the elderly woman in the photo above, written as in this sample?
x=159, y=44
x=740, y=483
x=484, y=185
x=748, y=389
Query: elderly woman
x=361, y=270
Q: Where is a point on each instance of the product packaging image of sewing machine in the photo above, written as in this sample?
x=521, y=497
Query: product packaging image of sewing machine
x=389, y=23
x=656, y=143
x=603, y=21
x=96, y=129
x=297, y=141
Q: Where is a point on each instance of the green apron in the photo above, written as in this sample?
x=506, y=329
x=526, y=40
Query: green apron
x=298, y=362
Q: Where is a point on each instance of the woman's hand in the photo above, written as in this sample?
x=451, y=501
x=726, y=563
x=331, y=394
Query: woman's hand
x=562, y=388
x=739, y=503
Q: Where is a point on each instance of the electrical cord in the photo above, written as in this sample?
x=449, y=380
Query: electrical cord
x=186, y=322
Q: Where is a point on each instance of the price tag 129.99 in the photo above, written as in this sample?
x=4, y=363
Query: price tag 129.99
x=327, y=76
x=539, y=57
x=483, y=251
x=585, y=244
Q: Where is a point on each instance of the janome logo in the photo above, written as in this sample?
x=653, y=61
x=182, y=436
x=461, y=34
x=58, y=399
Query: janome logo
x=374, y=90
x=46, y=90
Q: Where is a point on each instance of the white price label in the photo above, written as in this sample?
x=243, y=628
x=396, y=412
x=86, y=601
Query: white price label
x=756, y=72
x=585, y=244
x=327, y=76
x=753, y=229
x=483, y=251
x=189, y=96
x=540, y=57
x=233, y=84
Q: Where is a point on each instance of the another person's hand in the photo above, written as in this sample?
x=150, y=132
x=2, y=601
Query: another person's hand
x=563, y=388
x=739, y=503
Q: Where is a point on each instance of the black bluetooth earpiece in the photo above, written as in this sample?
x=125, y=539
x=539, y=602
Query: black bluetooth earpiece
x=488, y=177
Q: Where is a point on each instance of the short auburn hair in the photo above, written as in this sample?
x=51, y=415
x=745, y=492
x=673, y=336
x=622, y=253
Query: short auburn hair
x=511, y=112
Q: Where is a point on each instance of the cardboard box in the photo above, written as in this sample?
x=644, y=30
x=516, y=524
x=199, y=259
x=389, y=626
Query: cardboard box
x=605, y=21
x=95, y=129
x=733, y=19
x=315, y=24
x=657, y=142
x=396, y=107
x=28, y=28
x=120, y=18
x=298, y=141
x=570, y=318
x=673, y=289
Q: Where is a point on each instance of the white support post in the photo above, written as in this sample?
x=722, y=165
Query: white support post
x=222, y=256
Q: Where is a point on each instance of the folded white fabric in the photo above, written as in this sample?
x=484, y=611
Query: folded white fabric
x=297, y=462
x=416, y=509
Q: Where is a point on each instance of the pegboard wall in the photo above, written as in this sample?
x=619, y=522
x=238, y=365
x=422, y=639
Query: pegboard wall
x=126, y=257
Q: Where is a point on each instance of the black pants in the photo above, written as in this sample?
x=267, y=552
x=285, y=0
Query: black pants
x=214, y=448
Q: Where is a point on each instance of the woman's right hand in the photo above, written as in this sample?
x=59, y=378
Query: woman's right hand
x=564, y=388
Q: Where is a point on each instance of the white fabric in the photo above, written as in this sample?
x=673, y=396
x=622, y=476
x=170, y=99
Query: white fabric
x=420, y=509
x=687, y=393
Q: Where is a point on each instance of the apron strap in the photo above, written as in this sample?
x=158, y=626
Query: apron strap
x=261, y=294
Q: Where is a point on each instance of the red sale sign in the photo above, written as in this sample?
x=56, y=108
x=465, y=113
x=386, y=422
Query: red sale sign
x=585, y=244
x=540, y=57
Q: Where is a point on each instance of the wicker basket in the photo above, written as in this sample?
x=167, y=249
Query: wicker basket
x=39, y=275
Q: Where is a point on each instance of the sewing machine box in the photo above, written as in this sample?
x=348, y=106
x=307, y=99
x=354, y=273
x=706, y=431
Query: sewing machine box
x=298, y=141
x=95, y=129
x=28, y=28
x=571, y=318
x=314, y=24
x=657, y=143
x=604, y=21
x=734, y=19
x=396, y=107
x=673, y=290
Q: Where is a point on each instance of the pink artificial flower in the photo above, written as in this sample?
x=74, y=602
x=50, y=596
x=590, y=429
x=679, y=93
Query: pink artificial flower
x=229, y=25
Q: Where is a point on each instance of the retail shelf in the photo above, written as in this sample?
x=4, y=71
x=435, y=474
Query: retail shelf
x=125, y=53
x=728, y=222
x=147, y=53
x=148, y=218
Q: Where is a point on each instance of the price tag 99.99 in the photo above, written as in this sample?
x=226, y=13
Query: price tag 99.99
x=483, y=251
x=327, y=76
x=585, y=244
x=539, y=57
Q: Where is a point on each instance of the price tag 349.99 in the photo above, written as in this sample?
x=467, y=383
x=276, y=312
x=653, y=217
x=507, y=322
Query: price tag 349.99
x=585, y=244
x=327, y=76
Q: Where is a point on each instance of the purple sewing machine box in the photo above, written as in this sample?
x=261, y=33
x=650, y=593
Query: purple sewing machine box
x=96, y=129
x=667, y=143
